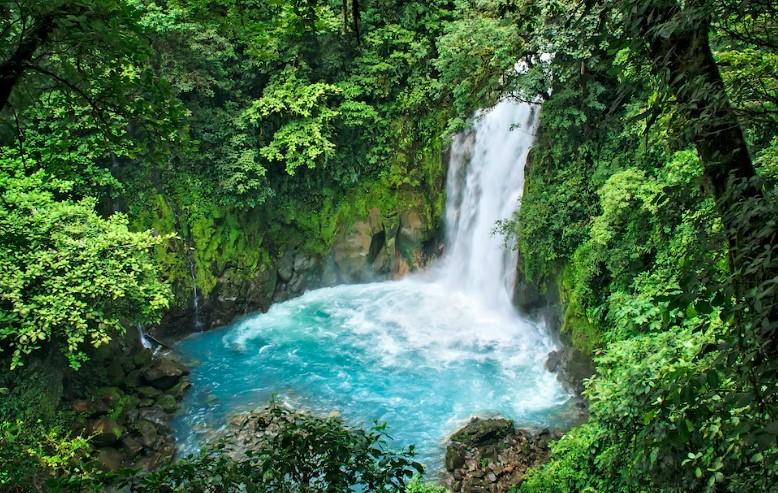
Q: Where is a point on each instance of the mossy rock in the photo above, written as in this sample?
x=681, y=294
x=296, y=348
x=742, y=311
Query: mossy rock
x=479, y=432
x=111, y=396
x=109, y=459
x=146, y=402
x=104, y=431
x=148, y=392
x=142, y=358
x=179, y=389
x=168, y=403
x=164, y=373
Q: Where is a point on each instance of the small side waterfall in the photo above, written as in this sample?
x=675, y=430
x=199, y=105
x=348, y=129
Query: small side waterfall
x=144, y=340
x=195, y=295
x=485, y=181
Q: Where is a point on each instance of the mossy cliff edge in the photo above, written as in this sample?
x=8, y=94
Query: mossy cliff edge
x=225, y=262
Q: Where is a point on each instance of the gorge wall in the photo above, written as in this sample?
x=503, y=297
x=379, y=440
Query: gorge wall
x=225, y=263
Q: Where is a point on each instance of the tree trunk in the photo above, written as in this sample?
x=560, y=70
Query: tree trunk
x=11, y=70
x=345, y=16
x=356, y=18
x=685, y=59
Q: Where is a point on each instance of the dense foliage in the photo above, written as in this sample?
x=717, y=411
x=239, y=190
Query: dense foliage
x=303, y=453
x=68, y=278
x=37, y=442
x=147, y=143
x=292, y=120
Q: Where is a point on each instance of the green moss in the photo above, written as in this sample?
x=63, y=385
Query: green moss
x=226, y=239
x=414, y=179
x=579, y=330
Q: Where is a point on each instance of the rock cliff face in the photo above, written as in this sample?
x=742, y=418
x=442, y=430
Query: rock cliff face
x=571, y=365
x=545, y=301
x=378, y=244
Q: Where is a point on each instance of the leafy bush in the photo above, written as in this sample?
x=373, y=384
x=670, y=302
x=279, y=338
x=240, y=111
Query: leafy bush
x=303, y=453
x=68, y=277
x=34, y=452
x=37, y=439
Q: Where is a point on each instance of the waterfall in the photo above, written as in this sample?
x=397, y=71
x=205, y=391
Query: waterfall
x=484, y=184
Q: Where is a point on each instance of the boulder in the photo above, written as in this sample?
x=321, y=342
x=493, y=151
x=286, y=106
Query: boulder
x=178, y=390
x=148, y=433
x=256, y=294
x=142, y=358
x=156, y=415
x=146, y=402
x=491, y=455
x=89, y=407
x=285, y=266
x=553, y=361
x=479, y=432
x=164, y=373
x=109, y=459
x=455, y=457
x=238, y=291
x=303, y=263
x=104, y=431
x=297, y=285
x=148, y=392
x=168, y=403
x=132, y=445
x=110, y=396
x=572, y=367
x=81, y=406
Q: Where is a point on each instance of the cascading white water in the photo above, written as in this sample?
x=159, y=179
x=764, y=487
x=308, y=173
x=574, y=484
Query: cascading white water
x=195, y=296
x=144, y=341
x=485, y=181
x=423, y=353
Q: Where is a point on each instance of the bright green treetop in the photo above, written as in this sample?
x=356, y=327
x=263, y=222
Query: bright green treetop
x=68, y=277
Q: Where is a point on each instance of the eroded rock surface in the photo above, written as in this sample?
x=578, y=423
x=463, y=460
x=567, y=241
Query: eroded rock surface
x=491, y=456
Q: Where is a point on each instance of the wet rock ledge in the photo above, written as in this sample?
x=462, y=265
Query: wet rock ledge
x=491, y=455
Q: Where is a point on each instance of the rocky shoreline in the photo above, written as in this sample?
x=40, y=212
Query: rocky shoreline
x=492, y=456
x=129, y=419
